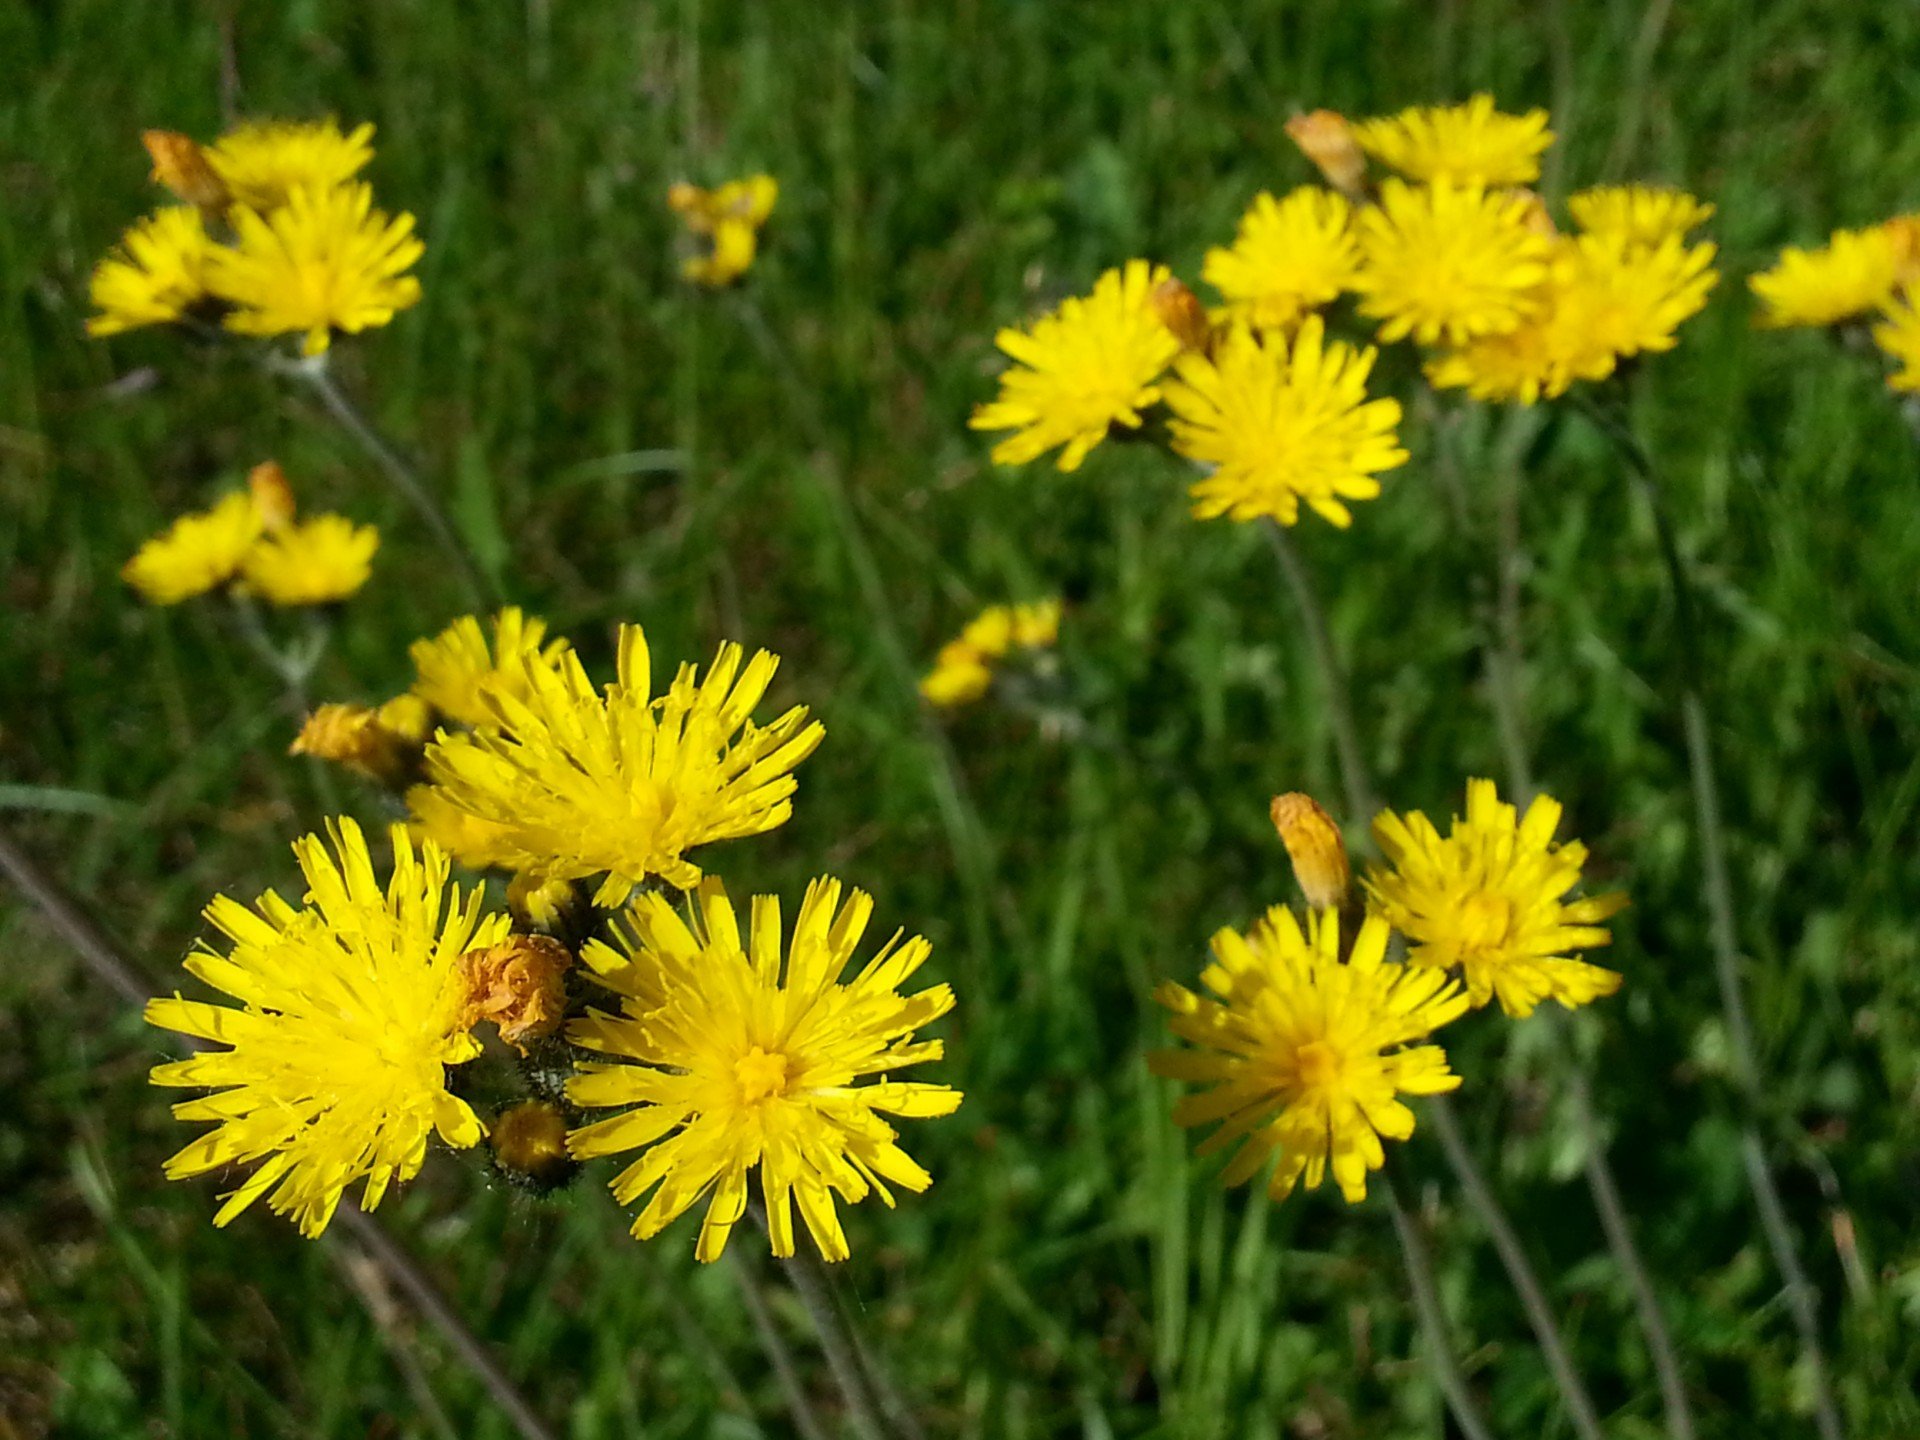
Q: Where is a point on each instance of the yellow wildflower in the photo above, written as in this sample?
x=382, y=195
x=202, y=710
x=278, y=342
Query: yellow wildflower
x=729, y=218
x=335, y=1066
x=1470, y=144
x=195, y=554
x=1490, y=899
x=1898, y=335
x=316, y=562
x=475, y=843
x=456, y=670
x=963, y=670
x=1280, y=423
x=263, y=162
x=626, y=783
x=1289, y=256
x=1307, y=1054
x=156, y=274
x=1449, y=262
x=1080, y=370
x=1639, y=214
x=735, y=1052
x=324, y=261
x=1853, y=274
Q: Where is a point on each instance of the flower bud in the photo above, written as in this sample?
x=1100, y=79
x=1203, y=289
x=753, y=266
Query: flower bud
x=353, y=736
x=272, y=495
x=1325, y=138
x=1180, y=310
x=1314, y=845
x=529, y=1144
x=181, y=166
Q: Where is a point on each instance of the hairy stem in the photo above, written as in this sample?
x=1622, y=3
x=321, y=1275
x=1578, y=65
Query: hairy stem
x=779, y=1354
x=1432, y=1314
x=838, y=1344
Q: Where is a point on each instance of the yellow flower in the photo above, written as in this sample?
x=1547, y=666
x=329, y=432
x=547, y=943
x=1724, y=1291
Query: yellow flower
x=962, y=672
x=1289, y=256
x=732, y=1061
x=956, y=680
x=325, y=261
x=197, y=553
x=456, y=670
x=335, y=1066
x=1490, y=899
x=1449, y=262
x=316, y=562
x=1639, y=214
x=1282, y=423
x=627, y=783
x=1082, y=369
x=730, y=218
x=1471, y=144
x=1852, y=274
x=1307, y=1054
x=1645, y=292
x=156, y=274
x=264, y=161
x=1899, y=336
x=477, y=844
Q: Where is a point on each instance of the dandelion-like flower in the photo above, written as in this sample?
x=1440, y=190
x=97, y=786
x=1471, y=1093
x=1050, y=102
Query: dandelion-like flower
x=1280, y=423
x=963, y=670
x=314, y=562
x=475, y=843
x=1089, y=365
x=1898, y=335
x=197, y=553
x=1639, y=214
x=1470, y=144
x=1852, y=275
x=1288, y=257
x=1449, y=262
x=324, y=261
x=156, y=275
x=335, y=1062
x=263, y=162
x=457, y=670
x=1491, y=899
x=736, y=1051
x=626, y=784
x=1307, y=1054
x=729, y=219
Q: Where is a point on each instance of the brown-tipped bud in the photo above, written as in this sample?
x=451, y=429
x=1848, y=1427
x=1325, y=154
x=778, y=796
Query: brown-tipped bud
x=1904, y=230
x=181, y=166
x=1539, y=219
x=1314, y=845
x=1181, y=312
x=352, y=735
x=529, y=1144
x=520, y=986
x=1325, y=138
x=272, y=494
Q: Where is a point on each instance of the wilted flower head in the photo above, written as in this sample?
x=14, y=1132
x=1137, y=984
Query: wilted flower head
x=1326, y=138
x=1316, y=848
x=181, y=166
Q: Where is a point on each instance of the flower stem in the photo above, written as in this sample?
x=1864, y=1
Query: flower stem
x=1802, y=1297
x=1432, y=1314
x=838, y=1343
x=775, y=1344
x=108, y=963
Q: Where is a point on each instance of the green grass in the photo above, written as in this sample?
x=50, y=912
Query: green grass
x=945, y=169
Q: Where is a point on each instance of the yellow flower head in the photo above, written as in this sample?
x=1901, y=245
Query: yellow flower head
x=1307, y=1054
x=963, y=671
x=1639, y=214
x=181, y=166
x=1080, y=370
x=335, y=1060
x=1326, y=138
x=1898, y=335
x=735, y=1051
x=1289, y=256
x=1854, y=273
x=324, y=261
x=1449, y=262
x=626, y=784
x=1470, y=144
x=156, y=274
x=1280, y=423
x=475, y=843
x=263, y=162
x=315, y=562
x=1490, y=898
x=730, y=219
x=196, y=553
x=456, y=670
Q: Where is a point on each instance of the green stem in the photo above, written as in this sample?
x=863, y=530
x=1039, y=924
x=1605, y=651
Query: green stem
x=779, y=1355
x=838, y=1344
x=1432, y=1314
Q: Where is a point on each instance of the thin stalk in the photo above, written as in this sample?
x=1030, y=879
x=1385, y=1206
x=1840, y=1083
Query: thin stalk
x=1362, y=803
x=107, y=962
x=838, y=1344
x=1513, y=1255
x=404, y=478
x=1802, y=1297
x=779, y=1355
x=1432, y=1314
x=293, y=669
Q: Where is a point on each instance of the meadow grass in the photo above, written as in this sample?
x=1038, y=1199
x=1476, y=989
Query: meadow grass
x=789, y=465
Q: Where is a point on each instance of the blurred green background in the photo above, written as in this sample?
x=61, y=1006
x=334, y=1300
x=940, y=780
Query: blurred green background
x=789, y=465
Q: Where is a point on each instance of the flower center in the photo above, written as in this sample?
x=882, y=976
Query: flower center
x=1486, y=919
x=1318, y=1064
x=760, y=1076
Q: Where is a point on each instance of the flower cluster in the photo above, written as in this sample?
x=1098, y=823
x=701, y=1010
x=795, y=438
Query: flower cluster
x=963, y=670
x=1856, y=277
x=1312, y=1033
x=251, y=543
x=726, y=222
x=275, y=236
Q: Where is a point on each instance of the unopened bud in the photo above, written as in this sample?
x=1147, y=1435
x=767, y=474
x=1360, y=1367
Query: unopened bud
x=519, y=985
x=1314, y=845
x=1180, y=310
x=181, y=166
x=529, y=1144
x=1325, y=138
x=272, y=494
x=1904, y=230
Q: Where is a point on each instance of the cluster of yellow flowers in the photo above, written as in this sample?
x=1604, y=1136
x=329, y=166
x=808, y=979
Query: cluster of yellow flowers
x=250, y=541
x=275, y=236
x=726, y=1046
x=726, y=223
x=1312, y=1035
x=1856, y=276
x=963, y=670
